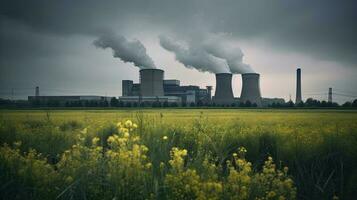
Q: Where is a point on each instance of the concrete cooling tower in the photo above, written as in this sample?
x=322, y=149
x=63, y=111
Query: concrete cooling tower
x=151, y=82
x=251, y=89
x=224, y=93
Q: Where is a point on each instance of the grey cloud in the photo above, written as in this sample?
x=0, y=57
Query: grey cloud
x=324, y=28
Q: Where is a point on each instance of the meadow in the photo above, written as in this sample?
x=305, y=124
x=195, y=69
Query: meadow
x=178, y=154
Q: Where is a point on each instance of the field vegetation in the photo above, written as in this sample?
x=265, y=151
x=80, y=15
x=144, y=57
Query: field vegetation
x=178, y=154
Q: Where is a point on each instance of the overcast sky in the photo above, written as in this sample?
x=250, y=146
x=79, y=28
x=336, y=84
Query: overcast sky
x=50, y=43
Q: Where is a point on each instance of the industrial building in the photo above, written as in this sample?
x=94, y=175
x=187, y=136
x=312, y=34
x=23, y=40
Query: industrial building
x=153, y=88
x=79, y=100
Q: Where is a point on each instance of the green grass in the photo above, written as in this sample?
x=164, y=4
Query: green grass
x=318, y=146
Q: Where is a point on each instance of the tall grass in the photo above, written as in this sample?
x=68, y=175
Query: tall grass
x=57, y=148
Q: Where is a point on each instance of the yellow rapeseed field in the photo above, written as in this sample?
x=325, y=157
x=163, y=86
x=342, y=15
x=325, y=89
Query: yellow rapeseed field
x=178, y=154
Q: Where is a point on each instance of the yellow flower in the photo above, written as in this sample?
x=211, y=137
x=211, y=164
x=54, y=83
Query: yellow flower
x=184, y=152
x=126, y=134
x=271, y=194
x=119, y=124
x=95, y=140
x=110, y=139
x=165, y=137
x=128, y=123
x=84, y=131
x=286, y=169
x=148, y=165
x=123, y=130
x=135, y=125
x=69, y=179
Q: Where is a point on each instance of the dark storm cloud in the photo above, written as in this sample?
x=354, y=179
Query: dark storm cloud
x=324, y=28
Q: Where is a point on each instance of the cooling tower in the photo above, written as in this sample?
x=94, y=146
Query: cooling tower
x=298, y=86
x=151, y=82
x=224, y=93
x=251, y=89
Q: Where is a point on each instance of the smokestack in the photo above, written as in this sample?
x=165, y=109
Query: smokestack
x=209, y=92
x=224, y=93
x=251, y=89
x=37, y=93
x=151, y=82
x=298, y=86
x=330, y=95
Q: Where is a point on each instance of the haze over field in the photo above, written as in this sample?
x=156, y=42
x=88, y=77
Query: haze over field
x=50, y=44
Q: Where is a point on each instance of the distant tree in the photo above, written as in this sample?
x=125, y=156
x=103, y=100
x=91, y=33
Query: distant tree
x=354, y=103
x=291, y=104
x=300, y=104
x=324, y=103
x=334, y=104
x=241, y=104
x=254, y=105
x=174, y=104
x=114, y=102
x=248, y=104
x=165, y=104
x=128, y=104
x=183, y=104
x=347, y=104
x=310, y=102
x=192, y=104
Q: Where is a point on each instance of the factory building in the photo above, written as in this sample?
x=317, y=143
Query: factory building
x=153, y=88
x=79, y=100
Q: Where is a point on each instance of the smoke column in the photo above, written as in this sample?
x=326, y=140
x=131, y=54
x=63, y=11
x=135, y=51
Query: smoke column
x=222, y=48
x=193, y=56
x=127, y=51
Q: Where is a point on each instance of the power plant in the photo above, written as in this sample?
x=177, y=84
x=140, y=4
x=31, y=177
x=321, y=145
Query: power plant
x=224, y=93
x=251, y=89
x=154, y=88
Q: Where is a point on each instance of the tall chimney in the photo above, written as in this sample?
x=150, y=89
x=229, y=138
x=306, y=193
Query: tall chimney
x=224, y=93
x=37, y=93
x=251, y=89
x=330, y=95
x=298, y=86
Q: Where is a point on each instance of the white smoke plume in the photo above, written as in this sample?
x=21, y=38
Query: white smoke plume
x=222, y=47
x=193, y=56
x=212, y=53
x=127, y=51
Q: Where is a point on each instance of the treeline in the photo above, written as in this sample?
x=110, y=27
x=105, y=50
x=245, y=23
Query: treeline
x=313, y=103
x=114, y=102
